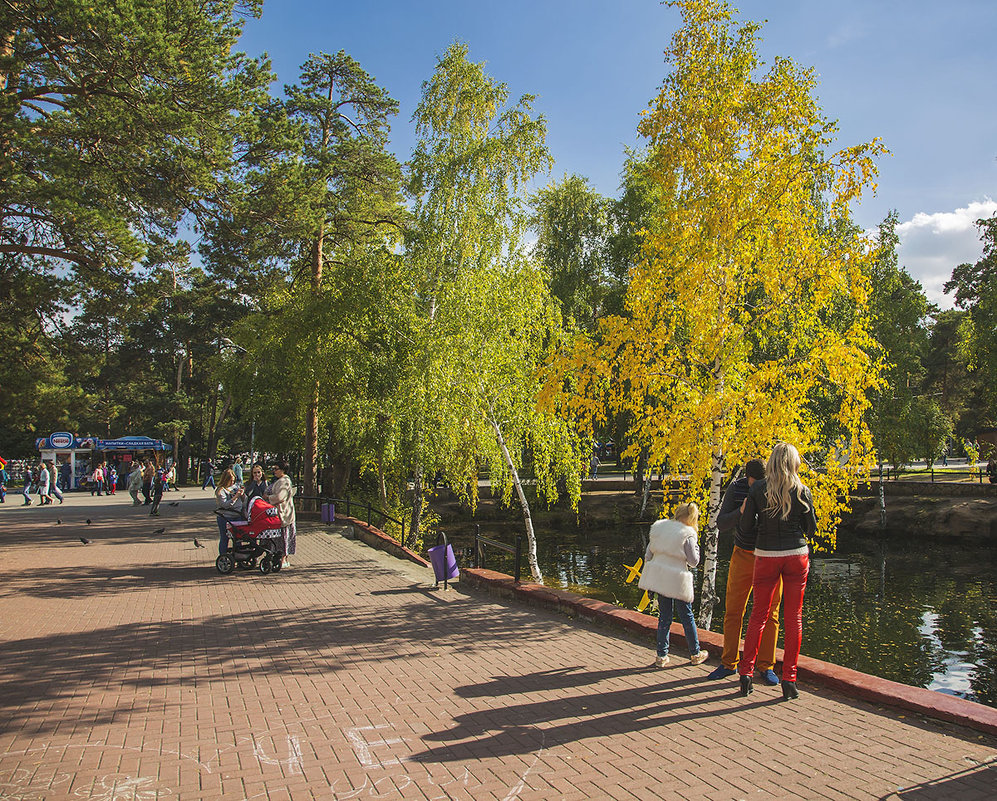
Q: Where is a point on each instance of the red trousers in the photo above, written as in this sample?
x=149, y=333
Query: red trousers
x=793, y=571
x=740, y=576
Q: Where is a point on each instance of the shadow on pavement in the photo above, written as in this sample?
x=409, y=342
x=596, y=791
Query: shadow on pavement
x=513, y=729
x=90, y=581
x=967, y=785
x=236, y=646
x=558, y=679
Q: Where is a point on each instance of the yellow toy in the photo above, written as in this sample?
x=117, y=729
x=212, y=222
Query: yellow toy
x=635, y=574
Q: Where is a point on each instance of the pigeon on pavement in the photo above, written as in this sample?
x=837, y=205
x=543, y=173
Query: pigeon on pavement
x=88, y=521
x=197, y=544
x=159, y=531
x=174, y=503
x=84, y=540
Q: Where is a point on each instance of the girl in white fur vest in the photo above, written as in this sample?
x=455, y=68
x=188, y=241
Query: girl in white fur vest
x=672, y=549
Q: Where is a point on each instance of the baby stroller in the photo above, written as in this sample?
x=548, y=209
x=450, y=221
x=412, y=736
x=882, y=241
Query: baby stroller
x=254, y=543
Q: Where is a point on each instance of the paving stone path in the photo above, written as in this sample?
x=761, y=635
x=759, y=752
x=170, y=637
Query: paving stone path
x=129, y=669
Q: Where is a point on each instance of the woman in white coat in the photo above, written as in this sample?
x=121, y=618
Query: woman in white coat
x=672, y=549
x=281, y=495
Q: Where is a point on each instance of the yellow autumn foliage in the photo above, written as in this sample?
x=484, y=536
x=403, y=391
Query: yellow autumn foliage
x=746, y=319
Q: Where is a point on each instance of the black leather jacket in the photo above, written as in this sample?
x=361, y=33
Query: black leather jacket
x=730, y=511
x=769, y=532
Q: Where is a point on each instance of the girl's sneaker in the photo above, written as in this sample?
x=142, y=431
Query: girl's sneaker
x=661, y=661
x=699, y=658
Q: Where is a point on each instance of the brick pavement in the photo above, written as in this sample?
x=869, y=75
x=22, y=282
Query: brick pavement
x=131, y=670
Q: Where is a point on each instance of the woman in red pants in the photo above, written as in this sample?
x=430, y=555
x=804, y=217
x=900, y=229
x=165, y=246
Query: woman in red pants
x=782, y=509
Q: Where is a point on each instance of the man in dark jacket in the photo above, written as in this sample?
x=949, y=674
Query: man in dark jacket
x=742, y=566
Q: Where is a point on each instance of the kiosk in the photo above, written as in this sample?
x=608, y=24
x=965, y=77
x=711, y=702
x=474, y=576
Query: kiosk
x=123, y=450
x=79, y=453
x=62, y=448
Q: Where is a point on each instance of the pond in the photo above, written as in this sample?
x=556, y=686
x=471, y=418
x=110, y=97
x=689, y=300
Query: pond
x=918, y=612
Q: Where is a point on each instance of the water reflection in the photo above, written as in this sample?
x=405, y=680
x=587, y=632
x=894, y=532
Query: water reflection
x=913, y=611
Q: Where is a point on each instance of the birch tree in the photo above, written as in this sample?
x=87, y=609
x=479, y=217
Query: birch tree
x=747, y=312
x=474, y=156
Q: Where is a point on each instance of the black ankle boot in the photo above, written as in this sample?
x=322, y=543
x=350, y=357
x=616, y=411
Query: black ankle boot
x=789, y=690
x=746, y=688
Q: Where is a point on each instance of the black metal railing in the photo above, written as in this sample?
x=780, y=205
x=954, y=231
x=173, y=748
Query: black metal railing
x=941, y=475
x=351, y=506
x=479, y=550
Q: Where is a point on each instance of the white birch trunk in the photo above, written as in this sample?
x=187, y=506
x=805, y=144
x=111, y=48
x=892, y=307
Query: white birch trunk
x=646, y=492
x=708, y=596
x=531, y=539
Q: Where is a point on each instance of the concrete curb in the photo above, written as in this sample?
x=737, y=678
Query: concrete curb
x=843, y=680
x=378, y=539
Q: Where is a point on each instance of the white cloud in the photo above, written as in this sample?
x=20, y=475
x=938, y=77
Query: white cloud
x=932, y=245
x=845, y=34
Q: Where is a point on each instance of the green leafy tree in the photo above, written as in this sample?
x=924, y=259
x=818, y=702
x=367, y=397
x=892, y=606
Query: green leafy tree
x=571, y=224
x=474, y=157
x=932, y=427
x=116, y=124
x=899, y=324
x=116, y=120
x=319, y=194
x=949, y=381
x=975, y=287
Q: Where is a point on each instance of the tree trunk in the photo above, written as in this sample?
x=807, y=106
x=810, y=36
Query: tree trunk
x=417, y=496
x=311, y=447
x=531, y=538
x=708, y=596
x=647, y=492
x=382, y=487
x=210, y=444
x=215, y=425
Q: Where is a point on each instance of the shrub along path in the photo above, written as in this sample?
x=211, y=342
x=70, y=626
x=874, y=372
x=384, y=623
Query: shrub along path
x=129, y=669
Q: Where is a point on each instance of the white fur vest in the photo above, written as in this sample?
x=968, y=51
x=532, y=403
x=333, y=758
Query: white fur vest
x=666, y=570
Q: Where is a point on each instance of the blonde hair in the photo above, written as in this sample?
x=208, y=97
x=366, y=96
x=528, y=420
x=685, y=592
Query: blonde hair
x=782, y=476
x=687, y=513
x=227, y=479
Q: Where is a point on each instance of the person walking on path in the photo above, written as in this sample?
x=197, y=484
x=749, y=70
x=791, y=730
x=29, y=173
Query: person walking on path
x=281, y=495
x=237, y=469
x=44, y=483
x=135, y=483
x=148, y=474
x=26, y=492
x=739, y=575
x=54, y=483
x=230, y=505
x=671, y=550
x=594, y=464
x=782, y=510
x=97, y=480
x=209, y=475
x=158, y=487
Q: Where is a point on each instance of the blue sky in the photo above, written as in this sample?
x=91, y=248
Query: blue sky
x=917, y=73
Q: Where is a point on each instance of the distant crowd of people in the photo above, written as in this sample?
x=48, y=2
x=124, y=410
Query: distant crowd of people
x=48, y=482
x=39, y=479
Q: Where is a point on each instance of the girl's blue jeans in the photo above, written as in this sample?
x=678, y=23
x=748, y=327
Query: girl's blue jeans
x=684, y=610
